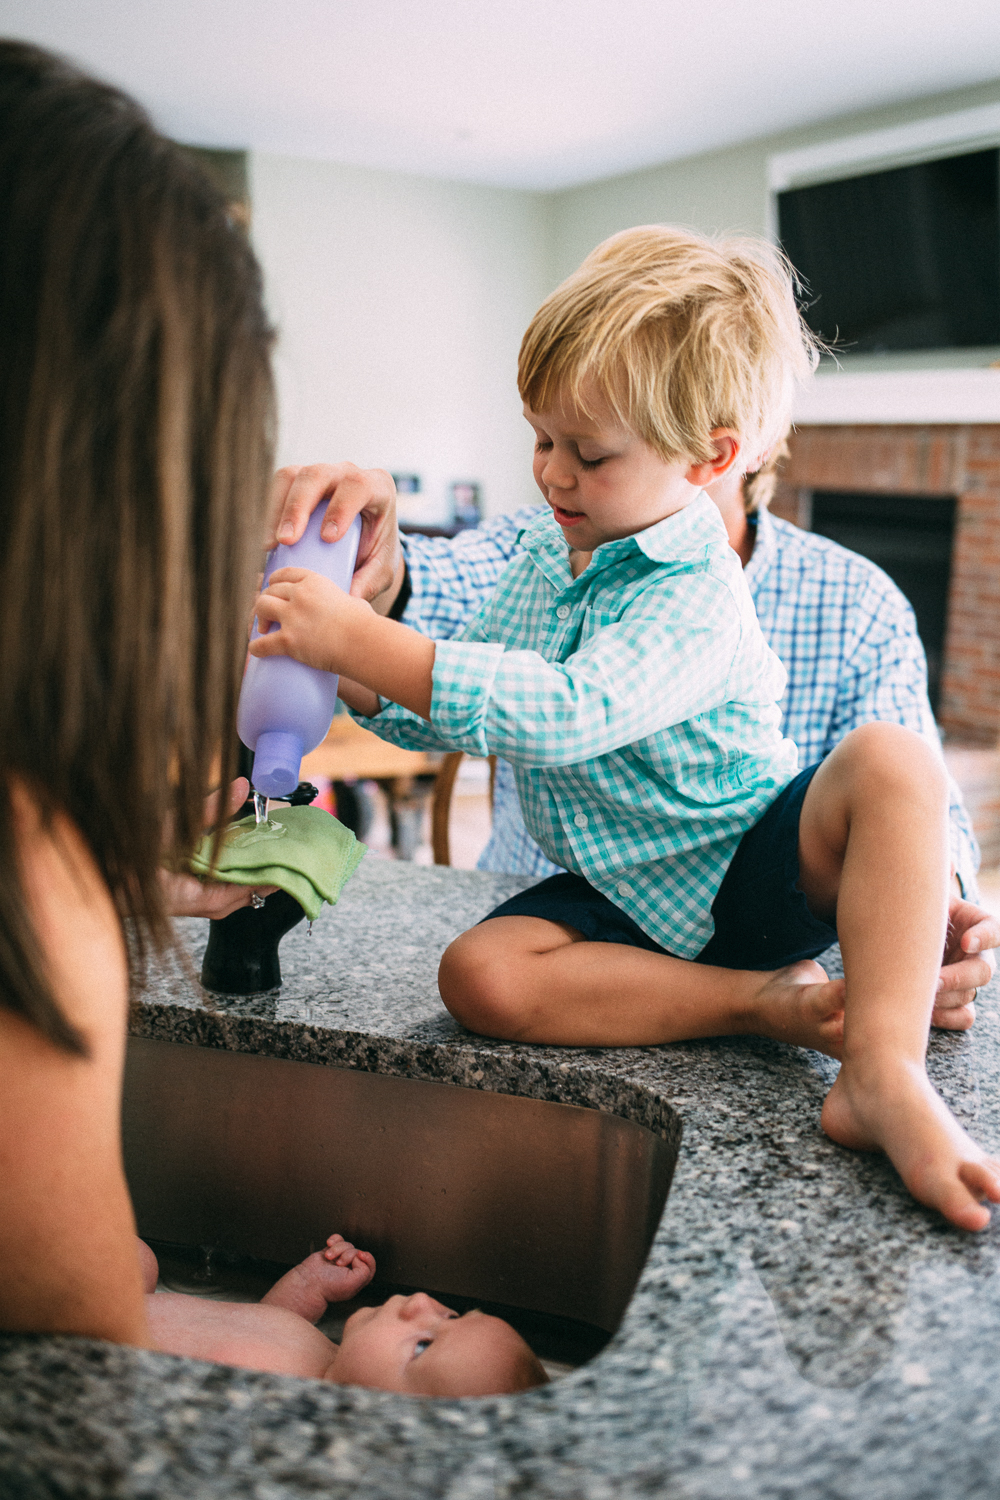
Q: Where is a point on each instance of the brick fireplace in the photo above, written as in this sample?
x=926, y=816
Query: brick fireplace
x=947, y=462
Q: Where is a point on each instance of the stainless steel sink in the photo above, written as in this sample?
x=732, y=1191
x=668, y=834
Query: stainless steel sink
x=533, y=1205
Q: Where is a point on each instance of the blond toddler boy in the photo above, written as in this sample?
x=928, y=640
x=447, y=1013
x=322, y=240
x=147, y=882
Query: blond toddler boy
x=620, y=668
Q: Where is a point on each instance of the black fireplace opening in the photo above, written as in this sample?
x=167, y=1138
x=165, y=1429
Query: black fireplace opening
x=910, y=537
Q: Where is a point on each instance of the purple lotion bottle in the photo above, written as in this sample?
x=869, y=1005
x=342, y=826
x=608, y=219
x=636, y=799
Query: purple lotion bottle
x=285, y=707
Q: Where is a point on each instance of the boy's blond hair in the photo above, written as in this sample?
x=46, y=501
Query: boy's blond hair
x=680, y=334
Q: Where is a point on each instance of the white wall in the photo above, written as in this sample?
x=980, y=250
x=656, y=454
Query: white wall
x=400, y=303
x=401, y=300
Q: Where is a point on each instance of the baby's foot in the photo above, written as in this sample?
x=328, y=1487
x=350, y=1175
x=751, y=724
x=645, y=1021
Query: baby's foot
x=334, y=1274
x=893, y=1108
x=802, y=1006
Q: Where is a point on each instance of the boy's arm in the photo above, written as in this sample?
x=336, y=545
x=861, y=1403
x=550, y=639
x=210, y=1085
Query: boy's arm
x=326, y=628
x=659, y=664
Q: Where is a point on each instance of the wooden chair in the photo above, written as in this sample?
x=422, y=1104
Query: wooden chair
x=444, y=786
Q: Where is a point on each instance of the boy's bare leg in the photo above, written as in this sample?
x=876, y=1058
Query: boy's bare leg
x=334, y=1274
x=527, y=979
x=873, y=848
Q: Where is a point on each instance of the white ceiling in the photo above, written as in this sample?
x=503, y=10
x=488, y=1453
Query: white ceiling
x=519, y=93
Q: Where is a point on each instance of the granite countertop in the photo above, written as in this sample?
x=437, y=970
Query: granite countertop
x=801, y=1327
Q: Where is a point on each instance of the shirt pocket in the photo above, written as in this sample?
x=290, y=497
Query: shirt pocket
x=592, y=622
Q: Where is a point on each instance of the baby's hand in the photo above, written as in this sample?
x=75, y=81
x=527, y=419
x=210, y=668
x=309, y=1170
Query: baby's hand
x=333, y=1274
x=314, y=616
x=348, y=1269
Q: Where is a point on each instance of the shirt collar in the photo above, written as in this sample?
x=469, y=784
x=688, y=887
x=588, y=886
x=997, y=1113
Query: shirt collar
x=677, y=538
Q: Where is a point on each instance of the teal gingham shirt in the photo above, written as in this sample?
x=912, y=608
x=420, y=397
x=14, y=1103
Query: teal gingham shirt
x=637, y=704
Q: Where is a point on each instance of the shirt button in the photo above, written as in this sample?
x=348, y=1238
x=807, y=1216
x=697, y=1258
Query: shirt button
x=581, y=820
x=623, y=888
x=563, y=612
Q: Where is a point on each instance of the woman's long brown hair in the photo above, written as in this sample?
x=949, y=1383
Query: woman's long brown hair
x=135, y=446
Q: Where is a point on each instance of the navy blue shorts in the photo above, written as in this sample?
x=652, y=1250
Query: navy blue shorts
x=761, y=920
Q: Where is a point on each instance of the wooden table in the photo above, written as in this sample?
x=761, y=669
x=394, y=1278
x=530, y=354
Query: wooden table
x=350, y=753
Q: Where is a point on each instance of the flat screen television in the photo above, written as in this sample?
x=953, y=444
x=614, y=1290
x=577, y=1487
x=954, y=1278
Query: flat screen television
x=907, y=258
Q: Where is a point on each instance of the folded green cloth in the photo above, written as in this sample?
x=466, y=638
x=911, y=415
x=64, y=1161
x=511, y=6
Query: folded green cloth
x=304, y=850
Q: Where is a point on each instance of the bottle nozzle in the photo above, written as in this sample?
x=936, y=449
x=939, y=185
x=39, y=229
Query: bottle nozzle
x=276, y=761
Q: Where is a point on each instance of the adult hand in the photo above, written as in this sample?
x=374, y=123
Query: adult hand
x=968, y=964
x=348, y=491
x=186, y=896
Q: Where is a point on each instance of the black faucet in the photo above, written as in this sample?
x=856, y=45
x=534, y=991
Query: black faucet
x=242, y=953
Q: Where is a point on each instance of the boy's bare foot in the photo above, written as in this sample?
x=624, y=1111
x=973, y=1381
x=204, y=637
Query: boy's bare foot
x=333, y=1274
x=802, y=1006
x=892, y=1107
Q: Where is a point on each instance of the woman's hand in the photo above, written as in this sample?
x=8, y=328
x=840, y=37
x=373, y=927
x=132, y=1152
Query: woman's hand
x=186, y=896
x=349, y=491
x=323, y=627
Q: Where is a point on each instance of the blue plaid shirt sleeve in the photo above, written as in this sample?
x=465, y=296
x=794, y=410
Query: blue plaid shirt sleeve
x=452, y=577
x=885, y=680
x=848, y=639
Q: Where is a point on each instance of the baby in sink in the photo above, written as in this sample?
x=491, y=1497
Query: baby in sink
x=412, y=1344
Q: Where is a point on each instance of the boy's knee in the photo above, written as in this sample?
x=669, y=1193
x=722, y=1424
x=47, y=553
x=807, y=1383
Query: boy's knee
x=476, y=988
x=888, y=757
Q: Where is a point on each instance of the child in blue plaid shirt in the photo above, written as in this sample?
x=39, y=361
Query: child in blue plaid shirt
x=620, y=668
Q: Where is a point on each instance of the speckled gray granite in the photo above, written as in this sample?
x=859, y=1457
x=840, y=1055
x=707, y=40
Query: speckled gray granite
x=802, y=1328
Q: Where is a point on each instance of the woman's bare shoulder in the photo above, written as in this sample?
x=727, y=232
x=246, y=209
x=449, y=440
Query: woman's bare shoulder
x=68, y=1261
x=74, y=918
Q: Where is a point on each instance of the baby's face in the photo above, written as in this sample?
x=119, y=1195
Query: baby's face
x=418, y=1346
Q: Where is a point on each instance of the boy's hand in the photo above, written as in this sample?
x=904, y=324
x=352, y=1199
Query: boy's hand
x=314, y=616
x=968, y=964
x=349, y=491
x=336, y=632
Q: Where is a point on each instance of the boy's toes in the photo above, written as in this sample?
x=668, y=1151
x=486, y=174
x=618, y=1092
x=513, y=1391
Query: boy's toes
x=966, y=1215
x=962, y=1203
x=982, y=1178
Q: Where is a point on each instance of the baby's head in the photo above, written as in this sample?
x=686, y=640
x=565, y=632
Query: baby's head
x=421, y=1348
x=671, y=338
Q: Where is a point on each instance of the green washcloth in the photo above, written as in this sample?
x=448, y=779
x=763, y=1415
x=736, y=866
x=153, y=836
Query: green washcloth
x=304, y=850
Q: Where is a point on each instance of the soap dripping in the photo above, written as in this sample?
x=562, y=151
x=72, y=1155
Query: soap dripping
x=260, y=808
x=309, y=930
x=260, y=833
